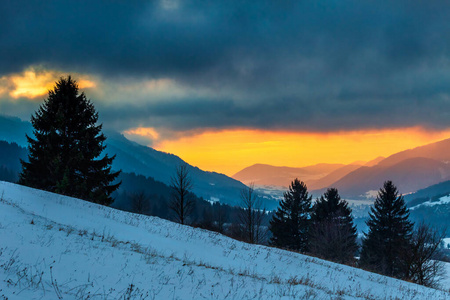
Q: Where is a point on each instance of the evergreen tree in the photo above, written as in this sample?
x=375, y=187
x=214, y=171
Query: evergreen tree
x=63, y=157
x=389, y=233
x=290, y=224
x=333, y=234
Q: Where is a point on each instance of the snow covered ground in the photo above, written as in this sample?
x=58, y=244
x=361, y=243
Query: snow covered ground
x=55, y=247
x=445, y=282
x=441, y=201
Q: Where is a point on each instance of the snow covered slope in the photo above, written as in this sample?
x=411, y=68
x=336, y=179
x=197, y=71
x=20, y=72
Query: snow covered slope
x=440, y=201
x=55, y=247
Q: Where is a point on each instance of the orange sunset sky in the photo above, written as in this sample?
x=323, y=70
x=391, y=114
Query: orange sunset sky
x=230, y=150
x=228, y=85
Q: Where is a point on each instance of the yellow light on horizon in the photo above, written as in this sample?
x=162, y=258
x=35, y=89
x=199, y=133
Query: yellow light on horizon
x=229, y=151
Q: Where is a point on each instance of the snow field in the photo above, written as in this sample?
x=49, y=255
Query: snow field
x=56, y=247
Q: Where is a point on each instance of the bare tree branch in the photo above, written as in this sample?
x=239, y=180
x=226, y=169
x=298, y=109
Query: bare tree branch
x=140, y=203
x=422, y=264
x=182, y=202
x=251, y=215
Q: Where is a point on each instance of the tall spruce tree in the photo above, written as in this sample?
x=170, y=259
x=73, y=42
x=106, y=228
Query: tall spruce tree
x=389, y=233
x=333, y=234
x=290, y=224
x=63, y=157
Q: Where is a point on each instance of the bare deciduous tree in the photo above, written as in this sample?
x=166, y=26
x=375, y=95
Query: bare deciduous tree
x=421, y=261
x=251, y=216
x=330, y=240
x=182, y=202
x=221, y=217
x=140, y=203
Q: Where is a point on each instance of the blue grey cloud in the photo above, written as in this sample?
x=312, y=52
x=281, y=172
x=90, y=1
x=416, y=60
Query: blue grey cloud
x=297, y=65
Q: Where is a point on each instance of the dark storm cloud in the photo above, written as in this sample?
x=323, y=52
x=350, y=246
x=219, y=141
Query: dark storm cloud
x=284, y=114
x=311, y=65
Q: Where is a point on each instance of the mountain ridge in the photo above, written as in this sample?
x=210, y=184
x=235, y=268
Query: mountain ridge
x=411, y=170
x=408, y=175
x=437, y=151
x=264, y=174
x=132, y=157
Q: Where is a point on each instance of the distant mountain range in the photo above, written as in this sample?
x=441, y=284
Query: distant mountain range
x=408, y=175
x=261, y=174
x=431, y=205
x=316, y=176
x=135, y=158
x=428, y=194
x=332, y=177
x=410, y=170
x=439, y=151
x=13, y=129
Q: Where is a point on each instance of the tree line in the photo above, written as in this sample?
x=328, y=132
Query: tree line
x=65, y=157
x=393, y=246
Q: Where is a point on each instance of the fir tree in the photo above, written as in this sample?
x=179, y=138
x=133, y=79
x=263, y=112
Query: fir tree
x=333, y=234
x=64, y=156
x=290, y=224
x=389, y=233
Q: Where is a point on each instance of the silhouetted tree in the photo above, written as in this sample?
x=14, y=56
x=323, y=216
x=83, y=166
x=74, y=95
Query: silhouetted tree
x=64, y=156
x=421, y=258
x=10, y=156
x=220, y=217
x=7, y=174
x=291, y=222
x=140, y=203
x=389, y=233
x=182, y=202
x=251, y=216
x=333, y=234
x=206, y=219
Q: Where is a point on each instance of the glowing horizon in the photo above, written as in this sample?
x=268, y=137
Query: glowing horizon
x=229, y=151
x=224, y=92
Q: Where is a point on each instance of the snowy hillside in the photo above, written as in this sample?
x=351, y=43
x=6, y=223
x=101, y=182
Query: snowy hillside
x=55, y=247
x=440, y=201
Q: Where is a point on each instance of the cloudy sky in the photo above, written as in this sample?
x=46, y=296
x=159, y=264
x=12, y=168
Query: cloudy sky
x=225, y=84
